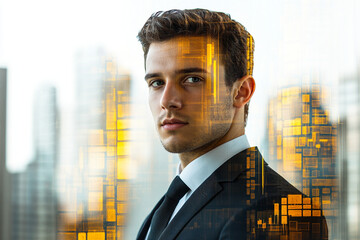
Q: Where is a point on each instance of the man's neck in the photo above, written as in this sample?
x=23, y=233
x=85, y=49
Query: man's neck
x=188, y=157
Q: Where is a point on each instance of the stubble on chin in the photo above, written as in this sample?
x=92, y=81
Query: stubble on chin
x=195, y=142
x=172, y=148
x=175, y=146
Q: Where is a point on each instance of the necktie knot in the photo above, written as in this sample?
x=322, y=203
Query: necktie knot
x=177, y=189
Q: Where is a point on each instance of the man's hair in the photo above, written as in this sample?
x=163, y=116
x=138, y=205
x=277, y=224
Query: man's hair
x=236, y=44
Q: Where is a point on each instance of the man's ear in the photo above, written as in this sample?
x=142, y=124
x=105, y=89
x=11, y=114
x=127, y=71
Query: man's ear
x=243, y=89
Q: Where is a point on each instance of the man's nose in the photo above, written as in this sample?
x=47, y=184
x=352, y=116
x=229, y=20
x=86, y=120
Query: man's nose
x=171, y=97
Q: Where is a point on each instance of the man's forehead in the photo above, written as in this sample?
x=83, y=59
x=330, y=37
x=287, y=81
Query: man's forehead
x=189, y=45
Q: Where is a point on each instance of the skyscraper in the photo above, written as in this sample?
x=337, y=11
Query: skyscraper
x=4, y=175
x=98, y=205
x=349, y=154
x=45, y=142
x=34, y=201
x=302, y=146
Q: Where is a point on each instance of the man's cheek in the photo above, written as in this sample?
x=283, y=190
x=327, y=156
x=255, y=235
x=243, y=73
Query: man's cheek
x=154, y=103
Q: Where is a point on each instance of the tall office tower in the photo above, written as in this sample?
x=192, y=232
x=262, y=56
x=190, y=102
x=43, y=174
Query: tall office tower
x=45, y=142
x=4, y=175
x=21, y=221
x=99, y=200
x=34, y=203
x=343, y=172
x=302, y=146
x=88, y=116
x=349, y=155
x=16, y=207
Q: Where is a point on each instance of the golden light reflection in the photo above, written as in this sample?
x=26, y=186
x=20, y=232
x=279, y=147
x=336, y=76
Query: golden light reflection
x=99, y=211
x=302, y=147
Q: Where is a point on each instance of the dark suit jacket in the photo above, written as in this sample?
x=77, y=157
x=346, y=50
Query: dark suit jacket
x=244, y=199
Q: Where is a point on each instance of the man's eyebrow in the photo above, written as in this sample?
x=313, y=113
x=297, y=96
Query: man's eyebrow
x=191, y=70
x=151, y=75
x=180, y=71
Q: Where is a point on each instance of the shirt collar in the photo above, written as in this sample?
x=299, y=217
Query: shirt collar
x=197, y=171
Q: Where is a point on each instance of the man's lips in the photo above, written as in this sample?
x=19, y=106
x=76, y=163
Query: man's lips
x=173, y=124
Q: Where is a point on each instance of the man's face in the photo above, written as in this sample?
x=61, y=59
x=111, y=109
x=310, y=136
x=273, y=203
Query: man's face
x=188, y=98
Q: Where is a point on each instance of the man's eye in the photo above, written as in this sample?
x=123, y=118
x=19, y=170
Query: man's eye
x=193, y=79
x=156, y=83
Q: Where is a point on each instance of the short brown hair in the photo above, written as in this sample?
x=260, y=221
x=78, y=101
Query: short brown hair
x=236, y=44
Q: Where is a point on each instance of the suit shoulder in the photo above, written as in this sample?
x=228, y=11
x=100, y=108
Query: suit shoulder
x=275, y=184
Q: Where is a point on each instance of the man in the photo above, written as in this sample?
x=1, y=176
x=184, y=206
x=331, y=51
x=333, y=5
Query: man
x=198, y=67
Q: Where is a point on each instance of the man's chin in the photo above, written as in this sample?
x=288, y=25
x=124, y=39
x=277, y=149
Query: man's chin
x=175, y=147
x=172, y=149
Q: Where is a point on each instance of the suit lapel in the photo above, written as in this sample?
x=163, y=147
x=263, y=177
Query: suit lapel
x=229, y=171
x=146, y=224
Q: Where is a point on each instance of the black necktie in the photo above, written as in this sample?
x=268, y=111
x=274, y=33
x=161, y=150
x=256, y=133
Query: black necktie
x=162, y=215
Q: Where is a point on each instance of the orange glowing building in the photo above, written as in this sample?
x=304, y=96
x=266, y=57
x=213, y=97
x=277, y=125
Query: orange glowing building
x=302, y=148
x=98, y=192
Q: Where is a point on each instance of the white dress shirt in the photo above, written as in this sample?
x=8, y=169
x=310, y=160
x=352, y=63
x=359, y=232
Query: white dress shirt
x=197, y=171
